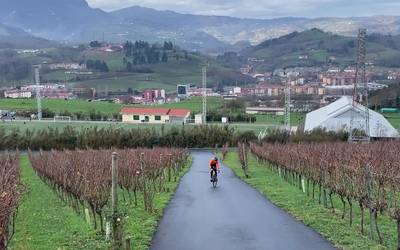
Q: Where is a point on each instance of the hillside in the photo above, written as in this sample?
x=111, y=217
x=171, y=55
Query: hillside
x=386, y=98
x=18, y=39
x=181, y=67
x=54, y=20
x=75, y=21
x=161, y=75
x=318, y=46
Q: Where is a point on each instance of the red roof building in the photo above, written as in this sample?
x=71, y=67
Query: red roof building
x=154, y=115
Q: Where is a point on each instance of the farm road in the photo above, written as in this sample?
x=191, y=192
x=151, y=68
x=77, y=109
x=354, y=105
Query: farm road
x=233, y=216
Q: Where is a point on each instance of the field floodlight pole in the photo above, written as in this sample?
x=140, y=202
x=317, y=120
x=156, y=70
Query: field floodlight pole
x=360, y=82
x=287, y=100
x=38, y=94
x=204, y=83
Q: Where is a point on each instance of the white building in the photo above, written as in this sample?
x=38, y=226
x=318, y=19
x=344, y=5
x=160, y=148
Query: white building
x=33, y=87
x=337, y=116
x=15, y=93
x=237, y=90
x=70, y=66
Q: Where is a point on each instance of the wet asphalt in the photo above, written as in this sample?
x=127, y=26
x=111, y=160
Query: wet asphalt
x=232, y=216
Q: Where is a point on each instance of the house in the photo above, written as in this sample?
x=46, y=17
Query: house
x=155, y=115
x=69, y=66
x=263, y=90
x=337, y=116
x=153, y=95
x=56, y=94
x=16, y=93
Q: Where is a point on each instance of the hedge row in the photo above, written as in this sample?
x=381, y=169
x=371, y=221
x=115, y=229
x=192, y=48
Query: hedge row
x=105, y=138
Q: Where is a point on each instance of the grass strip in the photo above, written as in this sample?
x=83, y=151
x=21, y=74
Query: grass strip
x=326, y=221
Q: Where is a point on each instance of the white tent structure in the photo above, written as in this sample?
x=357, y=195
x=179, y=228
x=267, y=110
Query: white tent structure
x=337, y=116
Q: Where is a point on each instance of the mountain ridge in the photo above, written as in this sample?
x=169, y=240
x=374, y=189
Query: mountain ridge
x=75, y=21
x=15, y=38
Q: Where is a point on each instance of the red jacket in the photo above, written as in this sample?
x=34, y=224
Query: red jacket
x=213, y=162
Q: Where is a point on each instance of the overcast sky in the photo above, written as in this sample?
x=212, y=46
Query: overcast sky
x=263, y=8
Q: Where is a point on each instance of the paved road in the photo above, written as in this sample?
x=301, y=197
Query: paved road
x=233, y=216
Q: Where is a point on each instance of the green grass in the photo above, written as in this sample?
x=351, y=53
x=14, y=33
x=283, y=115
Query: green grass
x=76, y=125
x=195, y=104
x=394, y=119
x=73, y=106
x=59, y=105
x=307, y=209
x=113, y=60
x=296, y=119
x=135, y=81
x=45, y=222
x=140, y=224
x=319, y=55
x=166, y=75
x=58, y=75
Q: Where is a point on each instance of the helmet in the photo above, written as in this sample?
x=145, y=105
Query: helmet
x=215, y=158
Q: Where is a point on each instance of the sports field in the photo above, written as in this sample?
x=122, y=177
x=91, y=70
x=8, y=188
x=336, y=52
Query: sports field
x=74, y=106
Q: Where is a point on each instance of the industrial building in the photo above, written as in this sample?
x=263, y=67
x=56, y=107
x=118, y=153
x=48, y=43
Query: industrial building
x=337, y=116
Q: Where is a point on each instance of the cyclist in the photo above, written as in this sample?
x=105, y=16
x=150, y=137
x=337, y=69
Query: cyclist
x=214, y=167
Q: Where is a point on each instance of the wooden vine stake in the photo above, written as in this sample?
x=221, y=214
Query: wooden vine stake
x=116, y=220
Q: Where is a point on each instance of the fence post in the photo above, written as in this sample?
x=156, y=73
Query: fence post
x=169, y=167
x=87, y=216
x=116, y=220
x=128, y=243
x=369, y=192
x=245, y=160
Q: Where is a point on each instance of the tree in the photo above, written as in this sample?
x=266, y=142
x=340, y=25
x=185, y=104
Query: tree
x=168, y=46
x=164, y=57
x=129, y=66
x=14, y=68
x=97, y=65
x=95, y=44
x=104, y=67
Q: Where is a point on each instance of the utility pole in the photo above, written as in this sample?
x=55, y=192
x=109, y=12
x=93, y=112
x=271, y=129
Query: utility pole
x=360, y=82
x=38, y=96
x=287, y=101
x=204, y=83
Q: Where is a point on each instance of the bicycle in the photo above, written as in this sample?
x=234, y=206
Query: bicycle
x=214, y=178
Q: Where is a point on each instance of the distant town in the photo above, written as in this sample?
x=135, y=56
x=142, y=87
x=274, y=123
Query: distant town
x=318, y=84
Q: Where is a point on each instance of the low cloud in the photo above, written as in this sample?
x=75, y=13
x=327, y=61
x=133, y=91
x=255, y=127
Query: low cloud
x=262, y=9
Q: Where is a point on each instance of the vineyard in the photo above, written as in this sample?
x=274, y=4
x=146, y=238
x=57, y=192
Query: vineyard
x=363, y=175
x=9, y=196
x=83, y=178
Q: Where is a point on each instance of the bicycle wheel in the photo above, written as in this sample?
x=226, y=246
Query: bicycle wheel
x=215, y=182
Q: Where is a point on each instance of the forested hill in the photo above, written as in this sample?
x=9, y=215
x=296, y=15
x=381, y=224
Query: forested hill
x=314, y=47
